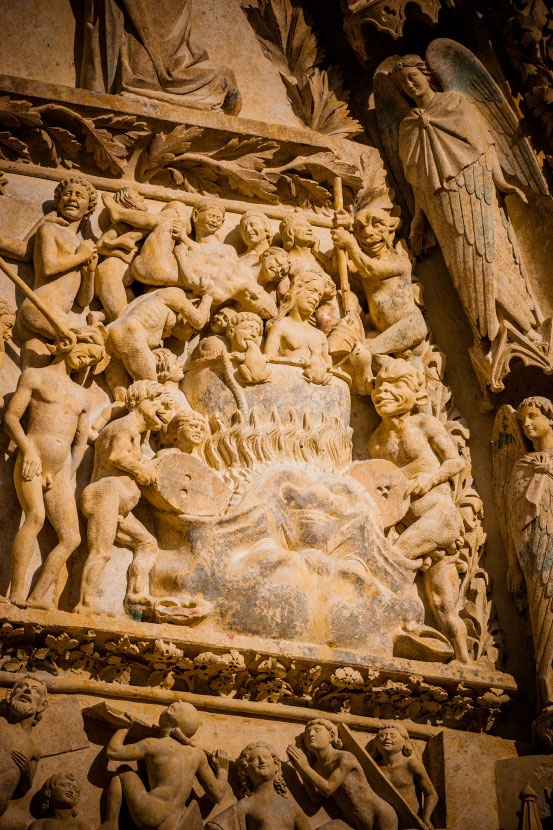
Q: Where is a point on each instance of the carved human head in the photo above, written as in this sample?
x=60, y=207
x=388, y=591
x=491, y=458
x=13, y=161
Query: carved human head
x=296, y=229
x=535, y=416
x=320, y=733
x=412, y=76
x=28, y=698
x=254, y=228
x=177, y=210
x=148, y=398
x=130, y=198
x=89, y=350
x=398, y=388
x=221, y=319
x=60, y=791
x=245, y=326
x=259, y=762
x=374, y=227
x=393, y=737
x=168, y=366
x=275, y=265
x=7, y=320
x=208, y=216
x=75, y=198
x=188, y=430
x=180, y=715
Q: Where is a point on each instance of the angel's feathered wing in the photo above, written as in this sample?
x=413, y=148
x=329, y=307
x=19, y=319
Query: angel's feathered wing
x=508, y=446
x=457, y=68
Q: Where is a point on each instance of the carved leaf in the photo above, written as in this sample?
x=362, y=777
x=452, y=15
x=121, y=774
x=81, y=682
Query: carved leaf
x=285, y=34
x=18, y=113
x=12, y=148
x=109, y=150
x=317, y=98
x=166, y=146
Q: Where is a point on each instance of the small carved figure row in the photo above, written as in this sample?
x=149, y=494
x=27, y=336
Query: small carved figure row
x=173, y=763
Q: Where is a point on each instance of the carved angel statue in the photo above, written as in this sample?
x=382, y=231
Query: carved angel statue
x=461, y=153
x=523, y=491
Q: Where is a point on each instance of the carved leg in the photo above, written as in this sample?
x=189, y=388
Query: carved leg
x=110, y=287
x=156, y=264
x=31, y=499
x=133, y=534
x=131, y=344
x=100, y=505
x=405, y=334
x=61, y=511
x=441, y=582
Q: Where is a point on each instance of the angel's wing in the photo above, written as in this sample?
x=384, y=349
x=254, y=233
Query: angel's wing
x=508, y=445
x=457, y=68
x=391, y=109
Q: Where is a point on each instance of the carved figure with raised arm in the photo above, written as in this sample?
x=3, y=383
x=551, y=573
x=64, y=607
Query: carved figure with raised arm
x=172, y=764
x=421, y=447
x=291, y=334
x=461, y=154
x=143, y=326
x=263, y=803
x=19, y=752
x=245, y=332
x=385, y=272
x=394, y=752
x=60, y=797
x=118, y=246
x=330, y=772
x=256, y=235
x=114, y=491
x=64, y=267
x=50, y=451
x=523, y=491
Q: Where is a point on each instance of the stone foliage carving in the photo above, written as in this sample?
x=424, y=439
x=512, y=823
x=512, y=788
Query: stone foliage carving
x=459, y=156
x=523, y=499
x=287, y=39
x=19, y=752
x=123, y=52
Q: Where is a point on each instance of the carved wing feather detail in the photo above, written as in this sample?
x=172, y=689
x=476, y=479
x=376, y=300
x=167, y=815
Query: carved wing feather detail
x=508, y=446
x=457, y=68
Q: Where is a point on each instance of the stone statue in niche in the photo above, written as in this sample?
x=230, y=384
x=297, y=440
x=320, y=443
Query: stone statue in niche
x=64, y=268
x=263, y=803
x=172, y=765
x=245, y=332
x=392, y=749
x=523, y=493
x=114, y=491
x=385, y=270
x=60, y=797
x=420, y=446
x=461, y=153
x=49, y=454
x=335, y=773
x=290, y=333
x=126, y=49
x=7, y=322
x=19, y=753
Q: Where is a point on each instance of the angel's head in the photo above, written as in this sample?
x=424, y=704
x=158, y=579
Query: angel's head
x=535, y=416
x=413, y=77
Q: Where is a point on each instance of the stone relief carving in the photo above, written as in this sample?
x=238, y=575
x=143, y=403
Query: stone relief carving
x=460, y=157
x=523, y=494
x=335, y=773
x=383, y=16
x=263, y=789
x=123, y=52
x=60, y=797
x=19, y=753
x=299, y=458
x=287, y=39
x=172, y=763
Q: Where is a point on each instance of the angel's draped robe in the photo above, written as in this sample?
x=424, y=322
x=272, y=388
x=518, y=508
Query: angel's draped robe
x=145, y=48
x=448, y=156
x=530, y=518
